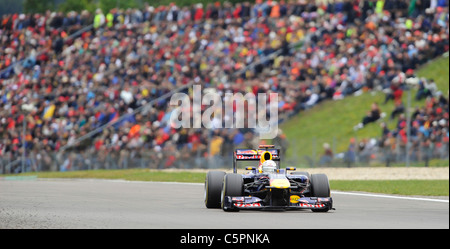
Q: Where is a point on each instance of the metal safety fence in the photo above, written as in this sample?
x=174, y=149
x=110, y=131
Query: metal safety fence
x=321, y=152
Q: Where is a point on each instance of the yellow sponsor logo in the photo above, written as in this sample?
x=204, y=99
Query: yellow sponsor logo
x=295, y=199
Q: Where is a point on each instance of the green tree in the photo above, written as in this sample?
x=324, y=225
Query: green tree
x=38, y=6
x=107, y=5
x=77, y=5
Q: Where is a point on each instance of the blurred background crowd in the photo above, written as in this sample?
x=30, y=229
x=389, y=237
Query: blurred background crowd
x=63, y=75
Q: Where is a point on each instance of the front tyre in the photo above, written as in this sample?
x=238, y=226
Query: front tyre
x=213, y=188
x=233, y=185
x=320, y=187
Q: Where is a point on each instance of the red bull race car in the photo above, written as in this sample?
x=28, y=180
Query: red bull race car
x=266, y=186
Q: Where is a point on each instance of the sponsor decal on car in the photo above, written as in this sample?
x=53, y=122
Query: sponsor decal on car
x=241, y=205
x=311, y=205
x=295, y=199
x=247, y=157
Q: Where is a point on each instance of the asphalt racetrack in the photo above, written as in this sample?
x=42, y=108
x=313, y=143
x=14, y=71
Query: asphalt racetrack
x=58, y=203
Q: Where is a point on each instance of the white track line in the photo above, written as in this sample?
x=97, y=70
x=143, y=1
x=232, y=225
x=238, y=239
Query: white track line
x=390, y=196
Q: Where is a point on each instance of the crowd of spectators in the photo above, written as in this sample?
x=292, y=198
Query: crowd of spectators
x=429, y=133
x=65, y=87
x=429, y=126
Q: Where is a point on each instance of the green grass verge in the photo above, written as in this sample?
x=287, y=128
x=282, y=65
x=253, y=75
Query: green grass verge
x=332, y=122
x=123, y=174
x=401, y=187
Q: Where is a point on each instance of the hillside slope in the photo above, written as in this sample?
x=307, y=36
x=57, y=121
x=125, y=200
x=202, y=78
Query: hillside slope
x=332, y=122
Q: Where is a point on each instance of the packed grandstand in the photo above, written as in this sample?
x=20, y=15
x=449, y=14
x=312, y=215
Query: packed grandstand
x=68, y=74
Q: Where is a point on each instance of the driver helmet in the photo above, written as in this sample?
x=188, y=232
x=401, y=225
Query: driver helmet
x=269, y=166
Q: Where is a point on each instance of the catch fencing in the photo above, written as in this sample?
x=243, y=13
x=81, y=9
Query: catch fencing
x=358, y=153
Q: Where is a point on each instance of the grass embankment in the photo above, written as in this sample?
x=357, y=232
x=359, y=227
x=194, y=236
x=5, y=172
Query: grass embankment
x=401, y=187
x=124, y=174
x=332, y=122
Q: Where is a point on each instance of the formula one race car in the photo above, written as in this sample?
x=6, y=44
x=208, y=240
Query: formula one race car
x=267, y=186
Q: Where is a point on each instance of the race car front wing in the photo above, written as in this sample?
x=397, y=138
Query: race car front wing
x=252, y=203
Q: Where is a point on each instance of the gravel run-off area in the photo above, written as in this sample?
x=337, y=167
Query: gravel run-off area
x=384, y=173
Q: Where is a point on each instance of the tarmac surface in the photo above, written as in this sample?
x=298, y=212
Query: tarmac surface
x=89, y=203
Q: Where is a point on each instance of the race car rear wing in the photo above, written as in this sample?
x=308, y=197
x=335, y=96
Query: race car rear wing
x=255, y=155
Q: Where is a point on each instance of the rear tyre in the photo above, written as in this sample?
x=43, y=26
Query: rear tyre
x=320, y=187
x=233, y=185
x=213, y=188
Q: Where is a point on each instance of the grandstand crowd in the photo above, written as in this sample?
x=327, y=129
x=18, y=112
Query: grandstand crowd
x=66, y=84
